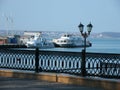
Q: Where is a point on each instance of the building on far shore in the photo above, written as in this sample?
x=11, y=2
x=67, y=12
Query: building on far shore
x=13, y=39
x=3, y=40
x=10, y=40
x=32, y=33
x=17, y=39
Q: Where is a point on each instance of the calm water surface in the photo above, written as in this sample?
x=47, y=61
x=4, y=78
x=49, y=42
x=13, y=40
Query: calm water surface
x=107, y=45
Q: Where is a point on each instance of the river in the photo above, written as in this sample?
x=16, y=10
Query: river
x=99, y=45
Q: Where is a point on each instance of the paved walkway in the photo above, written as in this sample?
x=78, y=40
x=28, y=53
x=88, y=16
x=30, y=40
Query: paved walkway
x=29, y=84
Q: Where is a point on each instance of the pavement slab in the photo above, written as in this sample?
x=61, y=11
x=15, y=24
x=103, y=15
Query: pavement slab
x=31, y=84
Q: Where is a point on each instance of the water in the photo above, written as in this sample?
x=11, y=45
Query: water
x=99, y=45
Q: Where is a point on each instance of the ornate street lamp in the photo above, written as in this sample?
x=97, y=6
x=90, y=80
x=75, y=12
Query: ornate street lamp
x=84, y=35
x=89, y=28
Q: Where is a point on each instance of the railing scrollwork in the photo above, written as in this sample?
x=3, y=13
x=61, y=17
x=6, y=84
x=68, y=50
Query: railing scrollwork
x=97, y=64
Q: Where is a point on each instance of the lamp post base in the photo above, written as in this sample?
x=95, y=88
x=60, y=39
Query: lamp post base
x=83, y=63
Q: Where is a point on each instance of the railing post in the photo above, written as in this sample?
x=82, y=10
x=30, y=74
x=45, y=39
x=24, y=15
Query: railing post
x=83, y=63
x=37, y=60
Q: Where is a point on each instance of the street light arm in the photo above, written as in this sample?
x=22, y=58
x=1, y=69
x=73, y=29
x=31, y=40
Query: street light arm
x=84, y=35
x=89, y=33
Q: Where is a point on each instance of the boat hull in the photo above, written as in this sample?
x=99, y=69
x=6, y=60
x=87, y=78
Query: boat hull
x=70, y=45
x=48, y=45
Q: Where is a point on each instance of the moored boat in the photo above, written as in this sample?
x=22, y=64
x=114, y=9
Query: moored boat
x=39, y=41
x=68, y=40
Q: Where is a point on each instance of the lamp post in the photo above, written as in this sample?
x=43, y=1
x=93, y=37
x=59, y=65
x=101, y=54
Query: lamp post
x=84, y=35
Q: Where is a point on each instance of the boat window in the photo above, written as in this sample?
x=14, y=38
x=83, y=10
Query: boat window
x=66, y=35
x=28, y=38
x=64, y=40
x=32, y=36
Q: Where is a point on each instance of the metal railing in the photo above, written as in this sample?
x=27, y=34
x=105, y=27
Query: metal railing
x=97, y=64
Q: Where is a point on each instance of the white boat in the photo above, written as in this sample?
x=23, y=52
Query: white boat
x=68, y=40
x=40, y=42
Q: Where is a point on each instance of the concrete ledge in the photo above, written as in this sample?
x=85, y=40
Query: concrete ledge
x=63, y=78
x=28, y=75
x=91, y=82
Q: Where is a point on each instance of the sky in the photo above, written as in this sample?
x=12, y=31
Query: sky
x=60, y=15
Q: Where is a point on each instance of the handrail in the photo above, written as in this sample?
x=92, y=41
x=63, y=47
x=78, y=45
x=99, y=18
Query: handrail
x=97, y=64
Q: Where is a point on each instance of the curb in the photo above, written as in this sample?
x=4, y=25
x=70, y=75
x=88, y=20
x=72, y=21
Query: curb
x=106, y=84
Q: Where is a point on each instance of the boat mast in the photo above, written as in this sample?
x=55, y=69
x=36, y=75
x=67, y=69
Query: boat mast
x=9, y=20
x=6, y=19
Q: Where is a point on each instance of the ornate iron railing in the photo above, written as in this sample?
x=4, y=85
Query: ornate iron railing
x=103, y=65
x=17, y=59
x=97, y=64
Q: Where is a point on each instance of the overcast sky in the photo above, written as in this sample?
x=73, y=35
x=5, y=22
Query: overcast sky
x=60, y=15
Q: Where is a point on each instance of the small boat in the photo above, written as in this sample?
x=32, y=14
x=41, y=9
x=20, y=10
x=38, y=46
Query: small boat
x=68, y=40
x=39, y=41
